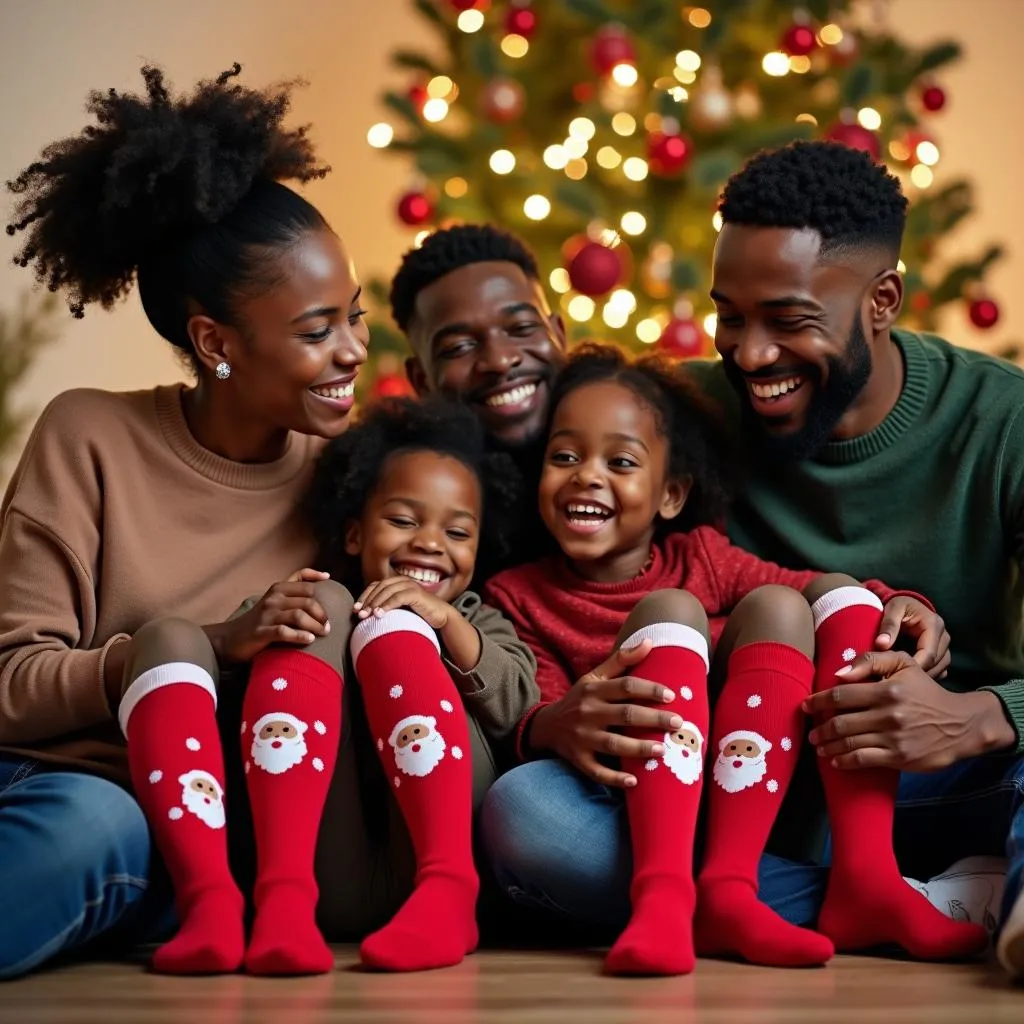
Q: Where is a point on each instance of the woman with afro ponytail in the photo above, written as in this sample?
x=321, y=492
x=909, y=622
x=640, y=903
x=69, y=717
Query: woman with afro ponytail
x=136, y=523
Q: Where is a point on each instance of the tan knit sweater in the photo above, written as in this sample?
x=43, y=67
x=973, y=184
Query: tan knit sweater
x=114, y=516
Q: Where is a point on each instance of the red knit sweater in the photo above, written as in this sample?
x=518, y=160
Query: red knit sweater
x=571, y=623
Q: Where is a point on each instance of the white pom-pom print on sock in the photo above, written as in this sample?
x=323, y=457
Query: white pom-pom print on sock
x=651, y=765
x=193, y=744
x=772, y=785
x=156, y=776
x=849, y=654
x=318, y=764
x=457, y=753
x=686, y=693
x=280, y=683
x=786, y=743
x=754, y=700
x=396, y=691
x=446, y=705
x=175, y=814
x=319, y=727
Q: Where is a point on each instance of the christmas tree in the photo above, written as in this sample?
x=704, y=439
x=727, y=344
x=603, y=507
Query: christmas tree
x=602, y=132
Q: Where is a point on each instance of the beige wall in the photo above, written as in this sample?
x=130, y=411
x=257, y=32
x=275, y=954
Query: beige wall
x=53, y=51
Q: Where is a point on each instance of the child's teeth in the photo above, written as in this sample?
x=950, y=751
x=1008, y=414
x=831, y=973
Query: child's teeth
x=420, y=575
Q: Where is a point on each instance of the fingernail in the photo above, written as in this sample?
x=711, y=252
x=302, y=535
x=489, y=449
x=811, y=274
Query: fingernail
x=327, y=627
x=805, y=707
x=379, y=612
x=835, y=762
x=821, y=752
x=630, y=781
x=657, y=750
x=675, y=722
x=310, y=638
x=667, y=696
x=813, y=736
x=844, y=670
x=883, y=638
x=357, y=606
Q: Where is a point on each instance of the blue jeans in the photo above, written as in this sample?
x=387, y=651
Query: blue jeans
x=75, y=865
x=560, y=843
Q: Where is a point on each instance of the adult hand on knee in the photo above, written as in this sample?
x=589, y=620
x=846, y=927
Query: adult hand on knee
x=579, y=726
x=903, y=719
x=911, y=617
x=288, y=613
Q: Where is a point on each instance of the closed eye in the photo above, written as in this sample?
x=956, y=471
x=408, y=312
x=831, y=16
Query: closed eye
x=355, y=317
x=563, y=458
x=457, y=534
x=322, y=335
x=402, y=522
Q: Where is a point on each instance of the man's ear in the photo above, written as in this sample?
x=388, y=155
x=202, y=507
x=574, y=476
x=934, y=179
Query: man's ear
x=674, y=499
x=354, y=538
x=417, y=376
x=886, y=301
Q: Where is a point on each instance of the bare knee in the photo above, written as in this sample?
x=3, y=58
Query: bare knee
x=828, y=582
x=166, y=640
x=336, y=601
x=774, y=613
x=666, y=606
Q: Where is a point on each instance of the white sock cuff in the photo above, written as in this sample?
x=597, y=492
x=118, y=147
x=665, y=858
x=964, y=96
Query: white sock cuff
x=398, y=621
x=671, y=634
x=172, y=673
x=840, y=598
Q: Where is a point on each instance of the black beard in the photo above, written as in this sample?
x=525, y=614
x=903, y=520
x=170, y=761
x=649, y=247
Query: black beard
x=847, y=378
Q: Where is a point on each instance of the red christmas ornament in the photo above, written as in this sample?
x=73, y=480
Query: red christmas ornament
x=611, y=46
x=668, y=154
x=682, y=338
x=583, y=92
x=463, y=5
x=983, y=313
x=798, y=41
x=920, y=302
x=594, y=269
x=856, y=137
x=933, y=99
x=414, y=209
x=502, y=99
x=418, y=96
x=391, y=385
x=521, y=21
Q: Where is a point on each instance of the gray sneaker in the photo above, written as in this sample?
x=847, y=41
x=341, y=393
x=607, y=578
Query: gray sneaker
x=971, y=890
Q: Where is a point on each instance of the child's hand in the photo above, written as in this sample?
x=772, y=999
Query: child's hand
x=907, y=615
x=402, y=592
x=288, y=613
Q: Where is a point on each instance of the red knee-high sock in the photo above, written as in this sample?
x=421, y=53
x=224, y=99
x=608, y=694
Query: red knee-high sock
x=758, y=728
x=868, y=903
x=420, y=726
x=168, y=716
x=662, y=809
x=290, y=734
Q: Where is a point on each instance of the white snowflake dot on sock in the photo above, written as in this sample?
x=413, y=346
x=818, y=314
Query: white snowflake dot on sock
x=156, y=776
x=318, y=764
x=193, y=744
x=754, y=700
x=398, y=782
x=686, y=693
x=319, y=727
x=175, y=813
x=849, y=654
x=244, y=726
x=396, y=691
x=786, y=743
x=651, y=765
x=457, y=753
x=280, y=683
x=772, y=785
x=446, y=705
x=380, y=745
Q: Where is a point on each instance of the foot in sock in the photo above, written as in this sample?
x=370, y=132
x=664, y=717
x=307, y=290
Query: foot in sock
x=422, y=736
x=662, y=809
x=292, y=712
x=168, y=716
x=868, y=902
x=758, y=728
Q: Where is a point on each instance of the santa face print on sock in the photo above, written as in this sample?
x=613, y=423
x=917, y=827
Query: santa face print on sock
x=203, y=796
x=684, y=753
x=741, y=761
x=278, y=742
x=417, y=744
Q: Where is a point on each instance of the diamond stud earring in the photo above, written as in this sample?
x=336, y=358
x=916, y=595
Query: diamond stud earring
x=223, y=370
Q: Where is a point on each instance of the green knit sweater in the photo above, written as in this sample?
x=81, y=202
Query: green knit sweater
x=931, y=500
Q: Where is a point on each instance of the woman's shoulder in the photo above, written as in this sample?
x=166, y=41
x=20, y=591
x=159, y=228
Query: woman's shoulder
x=85, y=413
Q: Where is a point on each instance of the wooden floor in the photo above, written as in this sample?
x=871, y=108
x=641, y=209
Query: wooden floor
x=523, y=988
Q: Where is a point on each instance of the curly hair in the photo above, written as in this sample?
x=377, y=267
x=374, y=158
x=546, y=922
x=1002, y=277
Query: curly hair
x=182, y=193
x=447, y=250
x=351, y=467
x=699, y=443
x=851, y=201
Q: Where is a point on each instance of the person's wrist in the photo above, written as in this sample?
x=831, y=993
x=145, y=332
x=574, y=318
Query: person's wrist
x=537, y=732
x=989, y=730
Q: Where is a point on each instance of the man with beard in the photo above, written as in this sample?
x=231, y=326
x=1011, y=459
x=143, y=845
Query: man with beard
x=471, y=303
x=876, y=452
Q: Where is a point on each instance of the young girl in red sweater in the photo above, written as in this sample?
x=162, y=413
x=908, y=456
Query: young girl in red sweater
x=635, y=475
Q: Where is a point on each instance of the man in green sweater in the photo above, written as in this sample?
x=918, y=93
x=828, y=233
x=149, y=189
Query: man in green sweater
x=876, y=452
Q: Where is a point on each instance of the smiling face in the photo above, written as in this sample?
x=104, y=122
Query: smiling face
x=605, y=480
x=485, y=332
x=423, y=521
x=793, y=332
